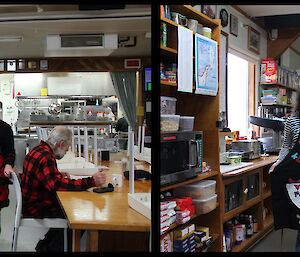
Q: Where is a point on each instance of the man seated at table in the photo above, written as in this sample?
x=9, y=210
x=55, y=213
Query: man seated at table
x=41, y=179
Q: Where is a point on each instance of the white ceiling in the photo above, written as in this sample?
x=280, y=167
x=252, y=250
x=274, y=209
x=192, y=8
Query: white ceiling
x=269, y=10
x=34, y=25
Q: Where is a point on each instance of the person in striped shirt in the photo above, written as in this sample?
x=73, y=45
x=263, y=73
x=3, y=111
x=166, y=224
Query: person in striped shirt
x=291, y=134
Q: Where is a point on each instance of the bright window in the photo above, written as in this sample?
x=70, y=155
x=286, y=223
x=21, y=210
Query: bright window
x=237, y=94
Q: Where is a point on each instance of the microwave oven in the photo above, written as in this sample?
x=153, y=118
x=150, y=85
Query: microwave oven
x=180, y=156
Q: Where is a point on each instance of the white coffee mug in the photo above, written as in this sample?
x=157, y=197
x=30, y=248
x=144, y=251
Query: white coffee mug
x=117, y=180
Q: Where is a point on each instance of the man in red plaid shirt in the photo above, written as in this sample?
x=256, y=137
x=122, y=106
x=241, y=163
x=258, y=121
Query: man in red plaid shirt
x=41, y=179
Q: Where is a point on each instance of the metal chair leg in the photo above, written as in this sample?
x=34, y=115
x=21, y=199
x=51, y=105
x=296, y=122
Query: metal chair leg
x=65, y=240
x=15, y=239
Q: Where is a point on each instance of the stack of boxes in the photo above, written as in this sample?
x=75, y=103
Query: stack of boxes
x=202, y=238
x=184, y=209
x=167, y=215
x=184, y=239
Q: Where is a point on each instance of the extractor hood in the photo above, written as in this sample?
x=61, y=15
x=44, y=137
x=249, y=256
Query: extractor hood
x=102, y=44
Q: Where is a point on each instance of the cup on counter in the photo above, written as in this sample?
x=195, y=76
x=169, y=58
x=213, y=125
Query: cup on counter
x=117, y=180
x=124, y=163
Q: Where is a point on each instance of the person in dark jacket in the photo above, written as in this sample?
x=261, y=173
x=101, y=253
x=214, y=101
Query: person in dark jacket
x=7, y=161
x=122, y=125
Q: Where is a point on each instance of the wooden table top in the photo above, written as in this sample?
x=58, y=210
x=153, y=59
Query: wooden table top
x=106, y=211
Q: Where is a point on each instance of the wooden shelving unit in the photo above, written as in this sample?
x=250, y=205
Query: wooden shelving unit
x=255, y=204
x=205, y=109
x=283, y=108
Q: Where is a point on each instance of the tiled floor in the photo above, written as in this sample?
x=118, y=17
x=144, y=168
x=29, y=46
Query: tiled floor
x=28, y=237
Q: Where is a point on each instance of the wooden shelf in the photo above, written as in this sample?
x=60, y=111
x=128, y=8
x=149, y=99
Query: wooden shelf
x=168, y=83
x=191, y=13
x=276, y=104
x=269, y=221
x=277, y=84
x=200, y=177
x=169, y=21
x=247, y=205
x=168, y=49
x=174, y=225
x=267, y=194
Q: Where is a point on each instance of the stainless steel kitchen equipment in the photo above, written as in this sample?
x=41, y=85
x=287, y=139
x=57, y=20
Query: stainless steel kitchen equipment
x=273, y=143
x=54, y=109
x=250, y=149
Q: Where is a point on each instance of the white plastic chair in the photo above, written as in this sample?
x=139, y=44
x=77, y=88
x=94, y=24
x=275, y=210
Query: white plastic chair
x=32, y=222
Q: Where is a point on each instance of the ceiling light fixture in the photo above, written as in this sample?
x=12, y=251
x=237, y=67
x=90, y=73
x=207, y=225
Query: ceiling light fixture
x=11, y=38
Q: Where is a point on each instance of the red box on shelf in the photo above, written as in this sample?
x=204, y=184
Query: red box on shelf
x=268, y=71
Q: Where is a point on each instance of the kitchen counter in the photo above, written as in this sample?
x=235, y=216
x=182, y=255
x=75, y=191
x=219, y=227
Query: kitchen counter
x=71, y=123
x=256, y=163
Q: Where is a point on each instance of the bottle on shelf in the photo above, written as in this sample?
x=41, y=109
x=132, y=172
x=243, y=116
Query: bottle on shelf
x=255, y=225
x=164, y=34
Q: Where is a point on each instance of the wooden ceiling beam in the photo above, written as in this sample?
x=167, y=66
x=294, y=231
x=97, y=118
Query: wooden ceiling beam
x=286, y=37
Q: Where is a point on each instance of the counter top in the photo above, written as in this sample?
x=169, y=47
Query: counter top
x=51, y=123
x=256, y=163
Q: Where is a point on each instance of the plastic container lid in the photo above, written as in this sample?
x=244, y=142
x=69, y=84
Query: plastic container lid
x=168, y=98
x=187, y=117
x=170, y=116
x=207, y=29
x=203, y=184
x=206, y=199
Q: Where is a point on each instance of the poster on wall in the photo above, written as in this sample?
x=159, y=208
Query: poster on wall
x=206, y=65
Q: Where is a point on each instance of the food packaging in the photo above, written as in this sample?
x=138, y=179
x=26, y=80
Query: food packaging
x=168, y=105
x=169, y=122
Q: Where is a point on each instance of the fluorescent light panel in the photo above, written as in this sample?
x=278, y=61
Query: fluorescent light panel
x=11, y=38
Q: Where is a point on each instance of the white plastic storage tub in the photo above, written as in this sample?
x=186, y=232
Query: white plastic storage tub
x=169, y=122
x=206, y=205
x=168, y=105
x=186, y=123
x=199, y=190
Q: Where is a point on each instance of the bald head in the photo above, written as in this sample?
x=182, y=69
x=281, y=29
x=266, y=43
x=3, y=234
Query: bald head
x=59, y=133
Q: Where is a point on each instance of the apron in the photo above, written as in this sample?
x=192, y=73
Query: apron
x=285, y=187
x=4, y=182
